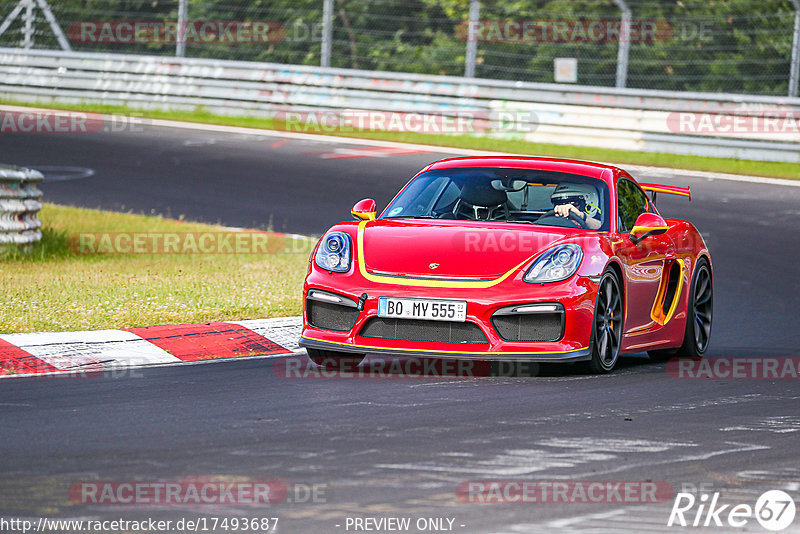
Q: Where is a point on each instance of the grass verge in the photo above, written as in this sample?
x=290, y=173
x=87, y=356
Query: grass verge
x=52, y=286
x=700, y=163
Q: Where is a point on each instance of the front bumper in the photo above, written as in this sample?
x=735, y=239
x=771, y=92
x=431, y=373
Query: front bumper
x=576, y=295
x=572, y=356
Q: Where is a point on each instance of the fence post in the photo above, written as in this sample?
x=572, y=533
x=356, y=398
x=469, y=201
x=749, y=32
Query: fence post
x=472, y=39
x=794, y=70
x=27, y=39
x=327, y=33
x=180, y=46
x=28, y=22
x=51, y=20
x=624, y=43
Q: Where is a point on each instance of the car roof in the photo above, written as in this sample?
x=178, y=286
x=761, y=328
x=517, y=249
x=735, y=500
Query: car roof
x=572, y=166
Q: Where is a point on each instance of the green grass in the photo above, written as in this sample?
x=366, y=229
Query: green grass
x=51, y=286
x=725, y=165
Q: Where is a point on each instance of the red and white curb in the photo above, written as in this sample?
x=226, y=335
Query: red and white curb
x=47, y=353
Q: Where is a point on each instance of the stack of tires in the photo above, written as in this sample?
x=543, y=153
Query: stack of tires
x=20, y=202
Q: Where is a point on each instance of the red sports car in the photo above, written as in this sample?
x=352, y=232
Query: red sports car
x=513, y=258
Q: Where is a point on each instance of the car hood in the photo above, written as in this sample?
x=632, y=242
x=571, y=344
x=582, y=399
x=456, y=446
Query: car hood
x=453, y=249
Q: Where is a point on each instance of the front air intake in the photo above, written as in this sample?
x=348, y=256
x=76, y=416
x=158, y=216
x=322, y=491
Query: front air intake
x=530, y=323
x=420, y=330
x=330, y=312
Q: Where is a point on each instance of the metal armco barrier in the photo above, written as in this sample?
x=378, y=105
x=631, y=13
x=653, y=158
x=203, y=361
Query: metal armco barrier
x=704, y=124
x=20, y=202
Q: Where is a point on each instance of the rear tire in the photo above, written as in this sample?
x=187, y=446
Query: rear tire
x=340, y=361
x=606, y=325
x=698, y=313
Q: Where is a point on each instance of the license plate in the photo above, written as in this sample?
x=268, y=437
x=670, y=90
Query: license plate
x=429, y=309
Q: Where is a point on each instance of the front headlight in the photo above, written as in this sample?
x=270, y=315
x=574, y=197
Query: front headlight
x=556, y=264
x=334, y=253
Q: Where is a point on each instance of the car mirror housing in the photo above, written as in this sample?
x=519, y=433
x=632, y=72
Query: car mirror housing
x=365, y=210
x=647, y=224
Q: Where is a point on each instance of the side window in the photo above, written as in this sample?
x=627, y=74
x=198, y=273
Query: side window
x=447, y=197
x=631, y=202
x=427, y=195
x=421, y=194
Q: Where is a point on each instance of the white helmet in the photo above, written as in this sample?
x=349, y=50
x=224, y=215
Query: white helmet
x=584, y=194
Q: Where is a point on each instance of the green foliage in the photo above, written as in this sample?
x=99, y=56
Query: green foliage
x=738, y=46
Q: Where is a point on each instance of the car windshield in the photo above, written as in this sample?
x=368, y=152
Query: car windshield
x=522, y=196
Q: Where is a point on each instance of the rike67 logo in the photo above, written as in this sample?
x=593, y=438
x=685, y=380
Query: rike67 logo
x=774, y=510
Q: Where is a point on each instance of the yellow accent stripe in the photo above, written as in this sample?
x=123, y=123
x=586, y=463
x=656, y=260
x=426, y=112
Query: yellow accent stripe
x=656, y=313
x=645, y=229
x=677, y=296
x=443, y=351
x=399, y=280
x=666, y=191
x=369, y=216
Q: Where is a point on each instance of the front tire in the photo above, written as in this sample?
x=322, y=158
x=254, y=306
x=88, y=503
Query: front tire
x=607, y=325
x=340, y=361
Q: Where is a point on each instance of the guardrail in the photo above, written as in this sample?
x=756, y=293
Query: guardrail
x=20, y=202
x=717, y=125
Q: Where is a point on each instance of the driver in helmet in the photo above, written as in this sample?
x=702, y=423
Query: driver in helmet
x=577, y=199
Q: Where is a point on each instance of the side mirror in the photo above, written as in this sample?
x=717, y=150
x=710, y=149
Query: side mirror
x=364, y=210
x=647, y=224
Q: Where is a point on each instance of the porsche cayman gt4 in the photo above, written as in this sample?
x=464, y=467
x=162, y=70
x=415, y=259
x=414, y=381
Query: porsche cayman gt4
x=513, y=258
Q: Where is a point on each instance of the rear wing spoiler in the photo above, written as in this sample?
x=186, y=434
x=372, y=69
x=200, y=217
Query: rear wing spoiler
x=654, y=189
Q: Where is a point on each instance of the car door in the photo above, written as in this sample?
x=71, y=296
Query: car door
x=643, y=262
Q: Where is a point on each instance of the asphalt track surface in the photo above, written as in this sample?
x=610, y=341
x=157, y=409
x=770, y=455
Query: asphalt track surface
x=400, y=447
